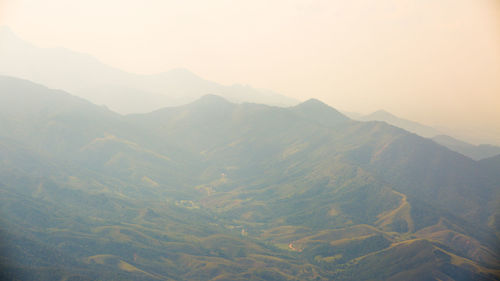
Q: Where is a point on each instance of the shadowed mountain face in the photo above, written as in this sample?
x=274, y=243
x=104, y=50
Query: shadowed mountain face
x=214, y=190
x=87, y=77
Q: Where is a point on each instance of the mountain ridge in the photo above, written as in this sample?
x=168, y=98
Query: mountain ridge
x=476, y=152
x=414, y=127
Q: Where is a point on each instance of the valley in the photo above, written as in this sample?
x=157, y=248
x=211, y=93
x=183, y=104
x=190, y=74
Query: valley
x=215, y=190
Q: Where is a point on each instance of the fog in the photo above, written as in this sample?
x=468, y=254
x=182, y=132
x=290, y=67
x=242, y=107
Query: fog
x=435, y=62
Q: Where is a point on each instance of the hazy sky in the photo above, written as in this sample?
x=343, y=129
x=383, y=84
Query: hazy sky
x=433, y=61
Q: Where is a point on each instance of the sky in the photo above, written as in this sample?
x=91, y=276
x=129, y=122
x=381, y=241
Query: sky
x=432, y=61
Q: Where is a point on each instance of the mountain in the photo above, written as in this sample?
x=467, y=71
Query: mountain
x=476, y=152
x=214, y=190
x=317, y=111
x=411, y=126
x=87, y=77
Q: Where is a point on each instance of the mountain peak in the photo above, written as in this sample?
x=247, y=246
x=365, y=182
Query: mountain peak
x=313, y=102
x=319, y=111
x=211, y=99
x=382, y=113
x=315, y=105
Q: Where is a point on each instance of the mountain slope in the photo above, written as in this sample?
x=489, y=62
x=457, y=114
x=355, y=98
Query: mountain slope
x=414, y=127
x=476, y=152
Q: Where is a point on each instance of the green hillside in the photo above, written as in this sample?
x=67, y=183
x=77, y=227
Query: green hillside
x=219, y=191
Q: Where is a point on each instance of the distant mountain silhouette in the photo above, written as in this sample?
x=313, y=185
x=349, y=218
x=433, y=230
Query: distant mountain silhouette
x=87, y=77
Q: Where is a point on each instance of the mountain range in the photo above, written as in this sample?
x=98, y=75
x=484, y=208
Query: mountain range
x=216, y=190
x=123, y=92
